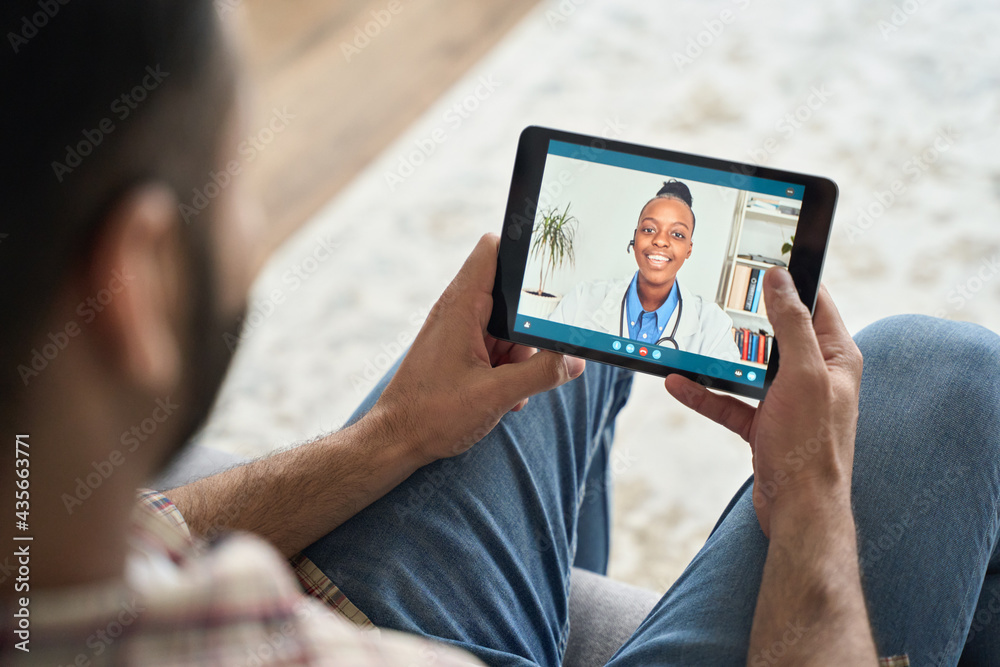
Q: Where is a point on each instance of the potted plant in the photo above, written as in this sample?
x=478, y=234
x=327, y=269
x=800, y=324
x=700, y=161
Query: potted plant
x=552, y=245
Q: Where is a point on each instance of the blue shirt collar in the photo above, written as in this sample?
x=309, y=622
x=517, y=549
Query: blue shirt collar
x=662, y=313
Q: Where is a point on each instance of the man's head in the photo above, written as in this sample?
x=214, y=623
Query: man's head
x=116, y=113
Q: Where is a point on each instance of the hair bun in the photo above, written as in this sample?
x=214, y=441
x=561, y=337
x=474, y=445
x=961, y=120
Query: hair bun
x=674, y=188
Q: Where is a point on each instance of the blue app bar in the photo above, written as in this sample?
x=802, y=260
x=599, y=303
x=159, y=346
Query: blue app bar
x=733, y=179
x=626, y=347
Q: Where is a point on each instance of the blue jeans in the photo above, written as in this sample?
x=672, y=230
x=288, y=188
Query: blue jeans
x=476, y=550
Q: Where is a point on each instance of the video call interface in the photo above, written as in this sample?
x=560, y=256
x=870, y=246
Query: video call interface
x=656, y=260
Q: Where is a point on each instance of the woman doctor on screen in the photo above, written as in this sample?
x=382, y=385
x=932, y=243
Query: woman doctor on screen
x=652, y=306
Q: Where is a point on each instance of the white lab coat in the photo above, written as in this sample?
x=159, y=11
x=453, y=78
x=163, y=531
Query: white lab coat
x=597, y=305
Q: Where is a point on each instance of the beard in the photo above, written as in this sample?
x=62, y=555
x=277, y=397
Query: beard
x=207, y=355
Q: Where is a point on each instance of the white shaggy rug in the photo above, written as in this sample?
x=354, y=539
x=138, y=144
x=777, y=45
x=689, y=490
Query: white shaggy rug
x=898, y=102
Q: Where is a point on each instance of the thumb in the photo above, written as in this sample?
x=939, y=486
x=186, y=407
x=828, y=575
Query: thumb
x=792, y=322
x=540, y=372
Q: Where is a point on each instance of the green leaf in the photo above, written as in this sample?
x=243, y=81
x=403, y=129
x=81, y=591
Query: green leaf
x=553, y=242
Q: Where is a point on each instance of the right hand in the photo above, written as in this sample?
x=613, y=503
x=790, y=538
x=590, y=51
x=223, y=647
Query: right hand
x=802, y=433
x=457, y=381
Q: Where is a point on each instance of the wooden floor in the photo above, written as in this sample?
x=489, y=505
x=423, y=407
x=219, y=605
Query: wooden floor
x=355, y=75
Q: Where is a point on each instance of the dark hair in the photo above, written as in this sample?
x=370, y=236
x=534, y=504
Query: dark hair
x=674, y=189
x=102, y=96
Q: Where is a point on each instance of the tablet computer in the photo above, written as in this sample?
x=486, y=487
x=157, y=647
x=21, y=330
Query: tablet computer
x=652, y=259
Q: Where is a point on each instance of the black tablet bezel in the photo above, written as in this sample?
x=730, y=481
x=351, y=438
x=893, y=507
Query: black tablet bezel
x=812, y=235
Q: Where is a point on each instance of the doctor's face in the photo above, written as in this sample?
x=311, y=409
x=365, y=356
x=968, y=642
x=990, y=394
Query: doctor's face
x=663, y=240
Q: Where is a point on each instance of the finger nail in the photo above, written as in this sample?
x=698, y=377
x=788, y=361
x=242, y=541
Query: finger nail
x=574, y=366
x=782, y=281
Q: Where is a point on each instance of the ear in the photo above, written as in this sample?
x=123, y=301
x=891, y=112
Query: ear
x=690, y=248
x=135, y=274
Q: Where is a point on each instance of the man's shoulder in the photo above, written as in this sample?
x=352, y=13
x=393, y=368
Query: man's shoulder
x=231, y=601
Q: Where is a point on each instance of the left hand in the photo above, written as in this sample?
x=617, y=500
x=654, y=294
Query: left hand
x=802, y=434
x=456, y=381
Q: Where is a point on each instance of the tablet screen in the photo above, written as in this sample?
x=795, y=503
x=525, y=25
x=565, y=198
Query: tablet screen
x=655, y=264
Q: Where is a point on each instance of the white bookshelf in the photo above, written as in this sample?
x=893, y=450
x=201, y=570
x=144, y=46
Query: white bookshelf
x=756, y=232
x=774, y=224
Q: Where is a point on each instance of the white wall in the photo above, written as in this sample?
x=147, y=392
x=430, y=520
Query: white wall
x=607, y=200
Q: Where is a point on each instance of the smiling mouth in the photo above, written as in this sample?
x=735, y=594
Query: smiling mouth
x=658, y=260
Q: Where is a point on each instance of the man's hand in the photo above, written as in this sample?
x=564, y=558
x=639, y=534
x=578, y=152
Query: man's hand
x=802, y=434
x=456, y=381
x=802, y=438
x=452, y=388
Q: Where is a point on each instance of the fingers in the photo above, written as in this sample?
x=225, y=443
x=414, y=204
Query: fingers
x=520, y=353
x=732, y=413
x=834, y=339
x=511, y=383
x=504, y=352
x=826, y=319
x=477, y=274
x=793, y=325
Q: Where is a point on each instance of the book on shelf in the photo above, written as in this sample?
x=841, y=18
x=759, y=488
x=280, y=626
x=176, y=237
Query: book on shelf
x=754, y=346
x=763, y=204
x=747, y=291
x=757, y=292
x=738, y=292
x=751, y=290
x=771, y=206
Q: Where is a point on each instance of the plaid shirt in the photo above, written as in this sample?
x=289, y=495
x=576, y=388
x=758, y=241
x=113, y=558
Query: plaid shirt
x=231, y=603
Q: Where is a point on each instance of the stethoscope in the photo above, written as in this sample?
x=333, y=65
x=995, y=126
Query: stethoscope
x=669, y=340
